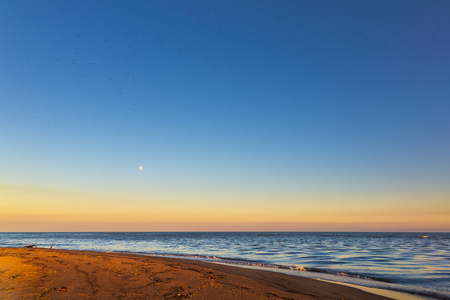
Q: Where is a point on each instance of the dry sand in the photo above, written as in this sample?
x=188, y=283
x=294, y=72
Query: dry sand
x=64, y=274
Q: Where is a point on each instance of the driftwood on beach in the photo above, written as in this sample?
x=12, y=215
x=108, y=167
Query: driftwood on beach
x=29, y=245
x=32, y=245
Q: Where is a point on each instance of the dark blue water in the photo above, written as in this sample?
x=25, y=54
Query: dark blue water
x=416, y=263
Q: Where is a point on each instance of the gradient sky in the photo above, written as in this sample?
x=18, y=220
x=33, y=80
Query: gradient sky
x=245, y=115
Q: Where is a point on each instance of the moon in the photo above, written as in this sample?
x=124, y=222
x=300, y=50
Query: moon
x=141, y=168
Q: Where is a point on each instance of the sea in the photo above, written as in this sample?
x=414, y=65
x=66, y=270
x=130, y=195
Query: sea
x=414, y=263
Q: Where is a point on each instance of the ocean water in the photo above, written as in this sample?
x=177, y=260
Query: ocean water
x=416, y=263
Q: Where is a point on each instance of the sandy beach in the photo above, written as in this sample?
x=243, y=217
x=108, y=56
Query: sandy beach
x=63, y=274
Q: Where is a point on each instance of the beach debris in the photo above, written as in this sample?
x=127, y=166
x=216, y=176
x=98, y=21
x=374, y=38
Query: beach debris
x=33, y=245
x=185, y=295
x=29, y=246
x=61, y=289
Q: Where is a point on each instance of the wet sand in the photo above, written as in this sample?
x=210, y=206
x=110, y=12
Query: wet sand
x=68, y=274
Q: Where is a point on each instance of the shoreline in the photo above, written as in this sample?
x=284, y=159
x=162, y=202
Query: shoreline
x=398, y=295
x=395, y=294
x=75, y=274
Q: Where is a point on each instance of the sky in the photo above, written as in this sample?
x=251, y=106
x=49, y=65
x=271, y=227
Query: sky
x=225, y=115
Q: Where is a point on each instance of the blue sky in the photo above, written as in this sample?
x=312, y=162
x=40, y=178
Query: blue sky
x=281, y=100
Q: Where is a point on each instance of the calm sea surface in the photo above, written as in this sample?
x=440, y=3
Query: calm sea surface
x=416, y=263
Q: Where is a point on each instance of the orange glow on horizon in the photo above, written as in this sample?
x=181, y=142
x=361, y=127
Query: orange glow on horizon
x=40, y=209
